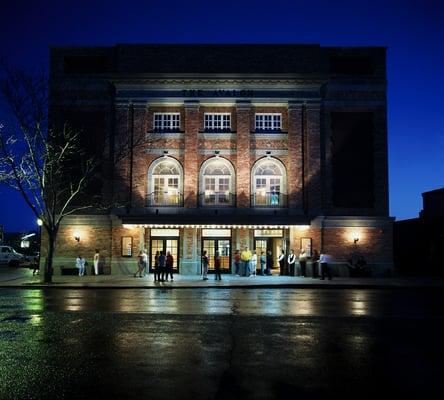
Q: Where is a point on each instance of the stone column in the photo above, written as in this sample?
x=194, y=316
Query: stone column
x=191, y=171
x=243, y=167
x=312, y=159
x=295, y=148
x=190, y=260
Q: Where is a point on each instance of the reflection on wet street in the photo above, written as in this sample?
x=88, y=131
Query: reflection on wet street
x=220, y=343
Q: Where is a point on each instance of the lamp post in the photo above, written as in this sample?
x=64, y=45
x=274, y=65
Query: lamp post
x=40, y=223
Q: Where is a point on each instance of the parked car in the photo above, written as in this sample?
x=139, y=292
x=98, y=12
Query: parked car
x=9, y=257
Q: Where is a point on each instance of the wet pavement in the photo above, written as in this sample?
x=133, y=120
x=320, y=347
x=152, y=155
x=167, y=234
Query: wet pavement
x=221, y=343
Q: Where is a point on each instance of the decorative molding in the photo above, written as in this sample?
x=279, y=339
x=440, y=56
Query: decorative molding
x=222, y=152
x=223, y=136
x=165, y=135
x=269, y=136
x=161, y=152
x=269, y=152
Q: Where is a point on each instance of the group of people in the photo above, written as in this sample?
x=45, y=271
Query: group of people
x=206, y=263
x=81, y=263
x=163, y=265
x=245, y=263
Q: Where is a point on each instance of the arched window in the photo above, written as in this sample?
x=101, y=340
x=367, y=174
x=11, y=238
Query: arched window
x=217, y=182
x=269, y=183
x=165, y=182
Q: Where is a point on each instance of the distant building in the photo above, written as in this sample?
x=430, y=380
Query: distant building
x=267, y=146
x=419, y=242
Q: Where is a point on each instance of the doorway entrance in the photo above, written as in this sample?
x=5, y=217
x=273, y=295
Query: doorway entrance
x=221, y=245
x=164, y=244
x=269, y=239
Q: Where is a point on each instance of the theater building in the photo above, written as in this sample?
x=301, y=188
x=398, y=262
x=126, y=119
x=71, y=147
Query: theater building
x=274, y=147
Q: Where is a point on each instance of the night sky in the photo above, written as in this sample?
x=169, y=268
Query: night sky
x=413, y=31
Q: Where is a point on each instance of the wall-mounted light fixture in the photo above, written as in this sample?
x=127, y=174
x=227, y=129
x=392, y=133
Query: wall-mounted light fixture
x=77, y=237
x=216, y=152
x=268, y=153
x=165, y=153
x=356, y=240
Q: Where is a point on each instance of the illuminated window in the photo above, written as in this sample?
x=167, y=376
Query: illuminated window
x=268, y=122
x=217, y=182
x=217, y=122
x=268, y=183
x=165, y=182
x=166, y=121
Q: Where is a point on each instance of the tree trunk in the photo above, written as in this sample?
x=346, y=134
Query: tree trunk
x=48, y=269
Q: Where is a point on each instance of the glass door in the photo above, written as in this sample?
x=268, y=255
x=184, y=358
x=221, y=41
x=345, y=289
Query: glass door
x=164, y=245
x=211, y=246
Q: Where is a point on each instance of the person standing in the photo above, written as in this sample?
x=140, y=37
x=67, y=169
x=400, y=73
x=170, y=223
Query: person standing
x=315, y=261
x=262, y=261
x=217, y=266
x=80, y=264
x=281, y=260
x=169, y=265
x=205, y=263
x=291, y=261
x=96, y=262
x=303, y=262
x=236, y=262
x=160, y=268
x=246, y=258
x=253, y=263
x=269, y=263
x=325, y=269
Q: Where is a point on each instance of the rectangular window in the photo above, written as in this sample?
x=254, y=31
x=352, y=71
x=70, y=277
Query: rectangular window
x=167, y=122
x=268, y=122
x=217, y=122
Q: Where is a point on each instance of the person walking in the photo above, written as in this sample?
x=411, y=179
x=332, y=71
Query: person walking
x=160, y=268
x=169, y=262
x=262, y=261
x=205, y=263
x=315, y=261
x=217, y=266
x=246, y=258
x=269, y=263
x=291, y=260
x=80, y=264
x=96, y=262
x=303, y=262
x=236, y=262
x=139, y=265
x=281, y=260
x=325, y=269
x=144, y=262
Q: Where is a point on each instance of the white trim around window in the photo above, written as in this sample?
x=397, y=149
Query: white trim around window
x=268, y=121
x=166, y=121
x=217, y=121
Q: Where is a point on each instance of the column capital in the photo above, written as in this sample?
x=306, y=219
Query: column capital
x=191, y=104
x=243, y=104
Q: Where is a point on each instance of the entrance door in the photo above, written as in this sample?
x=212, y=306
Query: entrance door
x=271, y=243
x=211, y=246
x=165, y=245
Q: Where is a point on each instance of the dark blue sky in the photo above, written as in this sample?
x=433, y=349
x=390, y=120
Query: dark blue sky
x=412, y=30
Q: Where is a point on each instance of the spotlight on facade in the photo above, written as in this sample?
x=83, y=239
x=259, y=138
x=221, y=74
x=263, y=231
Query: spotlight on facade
x=77, y=237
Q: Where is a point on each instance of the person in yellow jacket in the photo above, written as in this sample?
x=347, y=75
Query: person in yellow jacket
x=246, y=258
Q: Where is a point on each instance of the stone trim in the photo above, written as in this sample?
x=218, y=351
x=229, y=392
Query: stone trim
x=271, y=152
x=165, y=135
x=269, y=136
x=161, y=152
x=226, y=136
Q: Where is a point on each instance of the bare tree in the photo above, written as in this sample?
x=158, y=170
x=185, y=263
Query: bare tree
x=35, y=158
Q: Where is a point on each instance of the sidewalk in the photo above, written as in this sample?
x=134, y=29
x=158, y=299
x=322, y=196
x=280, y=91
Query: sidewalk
x=23, y=278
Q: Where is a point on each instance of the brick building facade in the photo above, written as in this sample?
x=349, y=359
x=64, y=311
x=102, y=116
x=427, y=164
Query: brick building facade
x=267, y=146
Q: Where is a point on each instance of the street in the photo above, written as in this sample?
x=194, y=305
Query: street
x=221, y=343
